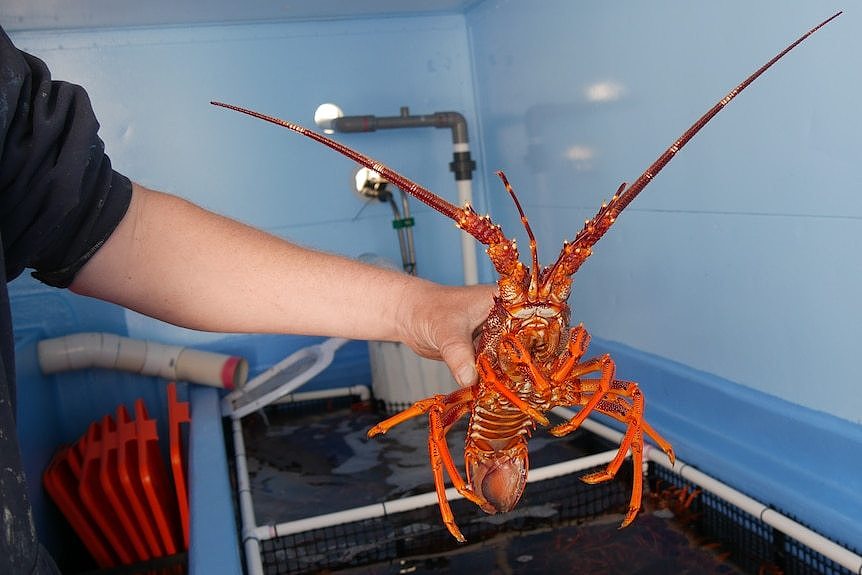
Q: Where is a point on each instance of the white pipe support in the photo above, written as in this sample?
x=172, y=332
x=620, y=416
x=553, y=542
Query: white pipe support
x=250, y=542
x=468, y=242
x=361, y=391
x=110, y=351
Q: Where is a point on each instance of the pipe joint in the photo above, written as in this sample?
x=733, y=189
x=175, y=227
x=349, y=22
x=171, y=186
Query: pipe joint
x=462, y=165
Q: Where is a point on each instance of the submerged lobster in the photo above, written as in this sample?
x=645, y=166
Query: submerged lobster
x=528, y=359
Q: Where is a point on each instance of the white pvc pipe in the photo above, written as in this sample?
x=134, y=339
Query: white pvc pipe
x=804, y=535
x=361, y=391
x=468, y=242
x=250, y=542
x=109, y=351
x=265, y=532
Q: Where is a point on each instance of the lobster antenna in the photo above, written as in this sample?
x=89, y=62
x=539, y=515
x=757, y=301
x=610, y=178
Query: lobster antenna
x=574, y=253
x=532, y=294
x=480, y=227
x=406, y=184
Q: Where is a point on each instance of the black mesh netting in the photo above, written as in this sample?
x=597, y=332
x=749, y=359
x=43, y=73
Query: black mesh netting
x=307, y=460
x=751, y=544
x=420, y=532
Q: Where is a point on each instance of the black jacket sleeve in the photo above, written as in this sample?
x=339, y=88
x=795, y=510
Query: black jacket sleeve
x=59, y=198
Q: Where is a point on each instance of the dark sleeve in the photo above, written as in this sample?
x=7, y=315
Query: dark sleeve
x=59, y=198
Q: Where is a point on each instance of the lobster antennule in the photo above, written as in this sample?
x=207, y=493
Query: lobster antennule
x=532, y=294
x=574, y=254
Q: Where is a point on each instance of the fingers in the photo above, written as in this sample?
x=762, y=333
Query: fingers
x=441, y=323
x=460, y=354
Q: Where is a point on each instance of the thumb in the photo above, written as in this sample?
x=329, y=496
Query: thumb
x=460, y=358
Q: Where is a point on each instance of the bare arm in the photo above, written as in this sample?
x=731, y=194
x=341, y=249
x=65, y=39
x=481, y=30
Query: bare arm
x=174, y=261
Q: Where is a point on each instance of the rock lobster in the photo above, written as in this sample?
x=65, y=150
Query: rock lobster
x=528, y=359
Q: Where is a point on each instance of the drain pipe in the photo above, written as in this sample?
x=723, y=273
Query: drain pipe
x=811, y=539
x=462, y=164
x=109, y=351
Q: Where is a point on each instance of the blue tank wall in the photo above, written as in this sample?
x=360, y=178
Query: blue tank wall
x=739, y=259
x=729, y=288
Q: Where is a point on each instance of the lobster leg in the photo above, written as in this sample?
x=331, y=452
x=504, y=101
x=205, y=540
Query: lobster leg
x=453, y=413
x=660, y=441
x=569, y=365
x=618, y=411
x=570, y=369
x=492, y=380
x=632, y=440
x=440, y=458
x=579, y=340
x=443, y=411
x=631, y=414
x=606, y=368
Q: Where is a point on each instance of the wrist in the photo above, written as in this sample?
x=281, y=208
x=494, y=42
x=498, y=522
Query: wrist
x=411, y=311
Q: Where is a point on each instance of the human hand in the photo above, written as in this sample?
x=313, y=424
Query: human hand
x=438, y=322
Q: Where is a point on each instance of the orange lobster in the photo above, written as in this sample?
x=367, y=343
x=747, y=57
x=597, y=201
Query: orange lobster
x=528, y=359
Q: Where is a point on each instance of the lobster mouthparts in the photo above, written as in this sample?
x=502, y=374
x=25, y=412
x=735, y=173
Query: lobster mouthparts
x=499, y=478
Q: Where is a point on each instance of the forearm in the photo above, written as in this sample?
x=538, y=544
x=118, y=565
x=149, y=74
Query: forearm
x=172, y=260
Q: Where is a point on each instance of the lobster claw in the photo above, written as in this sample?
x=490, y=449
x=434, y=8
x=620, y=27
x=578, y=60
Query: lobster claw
x=498, y=477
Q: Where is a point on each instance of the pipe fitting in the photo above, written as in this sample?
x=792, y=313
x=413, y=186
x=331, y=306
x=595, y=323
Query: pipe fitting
x=370, y=123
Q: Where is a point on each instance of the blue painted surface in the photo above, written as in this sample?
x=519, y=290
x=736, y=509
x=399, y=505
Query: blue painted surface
x=58, y=15
x=210, y=500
